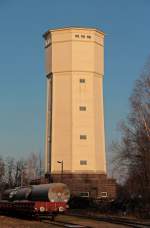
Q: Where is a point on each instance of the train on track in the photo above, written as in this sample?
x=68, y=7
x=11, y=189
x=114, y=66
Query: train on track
x=36, y=200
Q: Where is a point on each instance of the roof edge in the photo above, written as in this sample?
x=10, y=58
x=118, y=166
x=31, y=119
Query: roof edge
x=71, y=28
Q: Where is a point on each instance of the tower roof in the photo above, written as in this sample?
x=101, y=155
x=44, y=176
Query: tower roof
x=73, y=28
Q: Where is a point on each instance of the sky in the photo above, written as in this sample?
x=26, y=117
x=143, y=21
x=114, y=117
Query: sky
x=126, y=24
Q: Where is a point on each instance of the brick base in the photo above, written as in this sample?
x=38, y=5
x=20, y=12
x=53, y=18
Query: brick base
x=95, y=184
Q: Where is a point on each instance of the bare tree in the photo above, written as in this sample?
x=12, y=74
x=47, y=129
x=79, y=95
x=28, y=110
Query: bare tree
x=133, y=150
x=9, y=167
x=2, y=170
x=33, y=166
x=20, y=173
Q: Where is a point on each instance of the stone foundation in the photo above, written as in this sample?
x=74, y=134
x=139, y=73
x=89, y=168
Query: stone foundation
x=96, y=185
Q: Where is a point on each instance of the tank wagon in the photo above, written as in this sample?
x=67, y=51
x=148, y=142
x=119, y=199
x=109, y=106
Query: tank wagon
x=36, y=200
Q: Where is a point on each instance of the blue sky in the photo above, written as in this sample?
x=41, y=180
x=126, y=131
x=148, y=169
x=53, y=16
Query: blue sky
x=22, y=74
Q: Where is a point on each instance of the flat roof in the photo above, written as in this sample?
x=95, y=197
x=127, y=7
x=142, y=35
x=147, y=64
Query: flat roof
x=71, y=28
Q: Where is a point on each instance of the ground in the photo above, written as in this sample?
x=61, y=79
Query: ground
x=10, y=222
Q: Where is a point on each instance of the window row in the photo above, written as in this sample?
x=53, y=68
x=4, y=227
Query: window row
x=82, y=36
x=82, y=108
x=100, y=195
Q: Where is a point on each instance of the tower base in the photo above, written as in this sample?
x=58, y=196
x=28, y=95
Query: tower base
x=88, y=185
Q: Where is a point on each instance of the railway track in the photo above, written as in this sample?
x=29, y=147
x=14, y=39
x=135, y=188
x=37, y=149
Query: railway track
x=114, y=220
x=64, y=224
x=124, y=222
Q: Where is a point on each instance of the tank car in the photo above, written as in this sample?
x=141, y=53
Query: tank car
x=44, y=199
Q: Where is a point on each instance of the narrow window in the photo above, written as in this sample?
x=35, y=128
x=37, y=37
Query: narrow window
x=82, y=108
x=83, y=137
x=84, y=194
x=82, y=36
x=89, y=37
x=83, y=162
x=77, y=35
x=82, y=80
x=104, y=194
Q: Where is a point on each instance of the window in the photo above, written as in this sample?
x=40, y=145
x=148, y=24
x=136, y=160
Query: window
x=83, y=162
x=84, y=194
x=83, y=137
x=82, y=36
x=77, y=35
x=89, y=37
x=82, y=108
x=82, y=80
x=104, y=195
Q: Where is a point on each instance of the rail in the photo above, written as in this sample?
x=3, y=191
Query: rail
x=64, y=224
x=113, y=220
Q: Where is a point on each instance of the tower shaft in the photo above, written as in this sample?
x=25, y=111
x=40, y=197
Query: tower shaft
x=75, y=115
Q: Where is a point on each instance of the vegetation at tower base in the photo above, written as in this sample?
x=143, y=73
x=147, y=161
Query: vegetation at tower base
x=133, y=151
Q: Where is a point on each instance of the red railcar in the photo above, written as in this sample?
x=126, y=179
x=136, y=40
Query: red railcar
x=45, y=199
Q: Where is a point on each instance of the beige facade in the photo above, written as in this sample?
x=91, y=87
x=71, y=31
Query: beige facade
x=74, y=115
